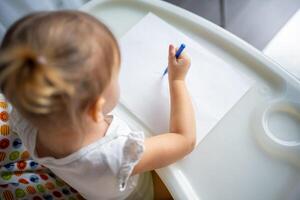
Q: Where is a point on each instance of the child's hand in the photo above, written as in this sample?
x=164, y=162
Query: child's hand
x=177, y=68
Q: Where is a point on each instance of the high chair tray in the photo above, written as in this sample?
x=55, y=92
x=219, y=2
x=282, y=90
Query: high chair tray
x=254, y=151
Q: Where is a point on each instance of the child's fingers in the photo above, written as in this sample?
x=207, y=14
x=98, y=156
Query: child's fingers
x=171, y=53
x=183, y=55
x=184, y=58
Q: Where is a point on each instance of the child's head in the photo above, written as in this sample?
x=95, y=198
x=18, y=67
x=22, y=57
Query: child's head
x=56, y=67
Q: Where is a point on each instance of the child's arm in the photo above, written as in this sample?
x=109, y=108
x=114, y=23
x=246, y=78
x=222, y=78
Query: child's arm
x=167, y=148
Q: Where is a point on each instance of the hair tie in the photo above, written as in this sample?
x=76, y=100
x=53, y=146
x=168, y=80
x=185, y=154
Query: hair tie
x=41, y=60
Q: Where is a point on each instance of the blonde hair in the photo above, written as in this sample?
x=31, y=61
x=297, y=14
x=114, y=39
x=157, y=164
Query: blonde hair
x=53, y=65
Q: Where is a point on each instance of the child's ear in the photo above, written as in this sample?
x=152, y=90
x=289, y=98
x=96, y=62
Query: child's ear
x=96, y=110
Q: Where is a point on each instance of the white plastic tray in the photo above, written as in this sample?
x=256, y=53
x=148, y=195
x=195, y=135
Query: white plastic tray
x=254, y=152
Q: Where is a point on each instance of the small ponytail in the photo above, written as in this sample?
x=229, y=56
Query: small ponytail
x=28, y=81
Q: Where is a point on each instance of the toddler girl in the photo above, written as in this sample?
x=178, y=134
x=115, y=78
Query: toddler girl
x=60, y=72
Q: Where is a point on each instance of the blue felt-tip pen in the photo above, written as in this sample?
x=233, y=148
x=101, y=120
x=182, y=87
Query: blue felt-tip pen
x=178, y=52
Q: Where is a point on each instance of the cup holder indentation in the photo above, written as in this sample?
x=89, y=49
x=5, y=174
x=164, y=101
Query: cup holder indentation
x=281, y=122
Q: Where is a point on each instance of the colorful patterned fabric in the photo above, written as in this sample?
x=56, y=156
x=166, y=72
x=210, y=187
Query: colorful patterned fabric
x=20, y=176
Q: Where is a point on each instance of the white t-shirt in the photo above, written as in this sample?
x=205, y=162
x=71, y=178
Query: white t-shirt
x=100, y=170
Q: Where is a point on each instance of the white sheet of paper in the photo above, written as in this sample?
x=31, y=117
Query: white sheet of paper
x=213, y=85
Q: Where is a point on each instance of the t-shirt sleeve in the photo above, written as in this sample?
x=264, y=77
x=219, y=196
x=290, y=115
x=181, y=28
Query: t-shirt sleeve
x=123, y=154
